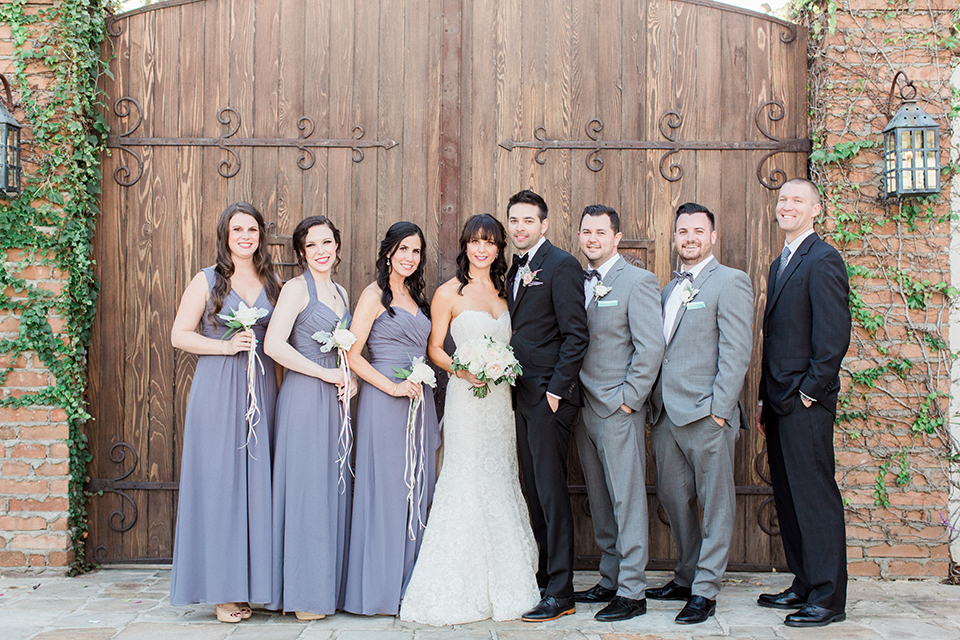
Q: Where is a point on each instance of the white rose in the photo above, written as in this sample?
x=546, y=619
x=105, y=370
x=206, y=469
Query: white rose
x=247, y=316
x=466, y=353
x=422, y=373
x=495, y=370
x=344, y=338
x=476, y=368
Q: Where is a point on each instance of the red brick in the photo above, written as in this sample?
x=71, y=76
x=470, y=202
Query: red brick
x=59, y=450
x=29, y=451
x=9, y=324
x=36, y=560
x=58, y=415
x=59, y=558
x=27, y=379
x=52, y=469
x=34, y=273
x=897, y=551
x=42, y=541
x=11, y=469
x=915, y=569
x=854, y=552
x=12, y=559
x=863, y=569
x=20, y=414
x=52, y=504
x=941, y=551
x=22, y=486
x=8, y=433
x=46, y=432
x=16, y=523
x=59, y=486
x=60, y=524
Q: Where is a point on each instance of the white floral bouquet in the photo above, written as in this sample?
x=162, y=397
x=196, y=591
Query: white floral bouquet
x=415, y=465
x=341, y=339
x=491, y=361
x=243, y=319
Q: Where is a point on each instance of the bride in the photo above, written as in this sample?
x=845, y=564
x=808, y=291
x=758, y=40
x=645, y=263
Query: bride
x=478, y=559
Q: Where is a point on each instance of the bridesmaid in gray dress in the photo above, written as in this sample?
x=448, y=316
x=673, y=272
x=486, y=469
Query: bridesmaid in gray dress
x=393, y=319
x=310, y=496
x=223, y=549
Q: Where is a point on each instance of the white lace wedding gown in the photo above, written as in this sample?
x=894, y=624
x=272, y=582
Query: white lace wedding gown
x=478, y=559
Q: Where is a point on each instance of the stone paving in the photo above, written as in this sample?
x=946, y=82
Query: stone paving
x=132, y=604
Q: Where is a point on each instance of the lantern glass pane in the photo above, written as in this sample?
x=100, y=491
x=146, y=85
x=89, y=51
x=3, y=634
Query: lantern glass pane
x=906, y=140
x=906, y=179
x=932, y=170
x=930, y=144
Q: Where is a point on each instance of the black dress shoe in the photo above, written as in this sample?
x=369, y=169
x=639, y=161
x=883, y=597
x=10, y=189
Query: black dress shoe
x=697, y=610
x=813, y=616
x=550, y=608
x=669, y=591
x=622, y=609
x=594, y=594
x=786, y=599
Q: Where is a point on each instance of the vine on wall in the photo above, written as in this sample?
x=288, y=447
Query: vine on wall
x=894, y=417
x=52, y=221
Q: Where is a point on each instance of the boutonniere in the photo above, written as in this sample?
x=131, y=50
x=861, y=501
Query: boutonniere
x=528, y=277
x=600, y=290
x=688, y=293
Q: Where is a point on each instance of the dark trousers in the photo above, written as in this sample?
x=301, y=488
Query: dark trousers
x=809, y=507
x=543, y=439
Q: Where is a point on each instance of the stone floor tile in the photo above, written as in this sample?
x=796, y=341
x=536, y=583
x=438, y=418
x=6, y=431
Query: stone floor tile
x=94, y=633
x=849, y=630
x=754, y=632
x=447, y=633
x=84, y=619
x=910, y=629
x=540, y=633
x=154, y=631
x=375, y=634
x=247, y=631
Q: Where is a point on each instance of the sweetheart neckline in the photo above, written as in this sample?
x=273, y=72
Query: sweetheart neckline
x=486, y=313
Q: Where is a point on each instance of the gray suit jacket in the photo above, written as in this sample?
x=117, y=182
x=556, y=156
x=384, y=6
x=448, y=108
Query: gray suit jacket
x=708, y=353
x=626, y=341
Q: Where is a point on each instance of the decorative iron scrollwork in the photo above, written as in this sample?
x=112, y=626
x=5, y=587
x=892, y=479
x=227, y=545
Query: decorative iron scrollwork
x=228, y=142
x=117, y=520
x=669, y=124
x=767, y=517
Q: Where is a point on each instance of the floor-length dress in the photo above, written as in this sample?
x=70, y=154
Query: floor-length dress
x=381, y=551
x=479, y=556
x=311, y=497
x=223, y=546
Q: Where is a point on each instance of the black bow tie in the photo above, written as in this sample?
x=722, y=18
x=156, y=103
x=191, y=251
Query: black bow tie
x=589, y=274
x=519, y=261
x=683, y=275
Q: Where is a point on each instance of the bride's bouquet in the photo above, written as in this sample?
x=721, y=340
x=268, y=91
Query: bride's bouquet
x=243, y=319
x=491, y=361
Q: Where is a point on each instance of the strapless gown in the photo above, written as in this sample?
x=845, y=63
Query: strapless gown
x=479, y=557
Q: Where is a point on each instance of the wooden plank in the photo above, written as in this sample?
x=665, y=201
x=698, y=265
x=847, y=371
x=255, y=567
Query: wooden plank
x=432, y=145
x=341, y=119
x=290, y=108
x=452, y=71
x=708, y=113
x=480, y=154
x=316, y=79
x=658, y=101
x=584, y=87
x=637, y=218
x=390, y=165
x=610, y=39
x=156, y=510
x=556, y=186
x=265, y=167
x=243, y=74
x=363, y=230
x=533, y=97
x=683, y=79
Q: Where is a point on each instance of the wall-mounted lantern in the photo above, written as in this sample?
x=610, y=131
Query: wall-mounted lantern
x=9, y=146
x=911, y=147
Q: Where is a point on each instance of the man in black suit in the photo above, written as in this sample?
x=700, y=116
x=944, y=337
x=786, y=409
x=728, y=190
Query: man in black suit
x=806, y=332
x=545, y=294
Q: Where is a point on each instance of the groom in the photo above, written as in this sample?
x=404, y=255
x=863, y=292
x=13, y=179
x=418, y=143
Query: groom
x=545, y=294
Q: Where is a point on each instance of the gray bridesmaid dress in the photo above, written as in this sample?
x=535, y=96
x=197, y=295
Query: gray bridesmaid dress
x=223, y=549
x=381, y=552
x=310, y=512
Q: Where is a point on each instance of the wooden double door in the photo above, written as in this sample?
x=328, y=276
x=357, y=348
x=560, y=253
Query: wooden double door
x=373, y=111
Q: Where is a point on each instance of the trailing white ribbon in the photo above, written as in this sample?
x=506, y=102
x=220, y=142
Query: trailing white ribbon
x=253, y=407
x=414, y=468
x=345, y=439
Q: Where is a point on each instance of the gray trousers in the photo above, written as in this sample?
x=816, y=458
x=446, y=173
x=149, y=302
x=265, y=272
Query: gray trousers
x=695, y=462
x=613, y=455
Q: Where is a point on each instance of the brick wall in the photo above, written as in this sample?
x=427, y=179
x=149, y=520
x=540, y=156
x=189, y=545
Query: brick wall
x=34, y=454
x=851, y=72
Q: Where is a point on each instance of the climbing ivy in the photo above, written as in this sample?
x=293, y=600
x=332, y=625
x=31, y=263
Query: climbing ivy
x=52, y=221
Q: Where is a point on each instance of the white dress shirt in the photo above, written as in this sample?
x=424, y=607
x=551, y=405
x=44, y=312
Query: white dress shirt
x=532, y=252
x=604, y=269
x=672, y=307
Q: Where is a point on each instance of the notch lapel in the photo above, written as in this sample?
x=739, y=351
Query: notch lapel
x=696, y=284
x=612, y=276
x=534, y=265
x=791, y=267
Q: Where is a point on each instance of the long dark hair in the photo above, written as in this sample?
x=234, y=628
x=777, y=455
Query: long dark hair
x=225, y=267
x=300, y=239
x=414, y=282
x=483, y=226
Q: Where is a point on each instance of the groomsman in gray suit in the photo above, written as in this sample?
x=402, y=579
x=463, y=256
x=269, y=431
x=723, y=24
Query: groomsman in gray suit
x=626, y=345
x=707, y=328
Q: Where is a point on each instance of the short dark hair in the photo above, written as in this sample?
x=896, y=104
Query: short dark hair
x=528, y=197
x=602, y=210
x=300, y=238
x=693, y=207
x=810, y=184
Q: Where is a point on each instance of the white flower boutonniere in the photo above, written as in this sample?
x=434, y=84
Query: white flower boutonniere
x=600, y=290
x=688, y=293
x=528, y=277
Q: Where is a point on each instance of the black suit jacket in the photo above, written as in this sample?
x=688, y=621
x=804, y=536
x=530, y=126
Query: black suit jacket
x=549, y=319
x=806, y=328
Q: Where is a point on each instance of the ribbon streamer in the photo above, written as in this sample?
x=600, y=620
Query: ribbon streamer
x=253, y=408
x=345, y=440
x=414, y=468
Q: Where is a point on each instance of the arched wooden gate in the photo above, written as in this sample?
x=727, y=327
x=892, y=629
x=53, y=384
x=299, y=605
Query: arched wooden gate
x=372, y=111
